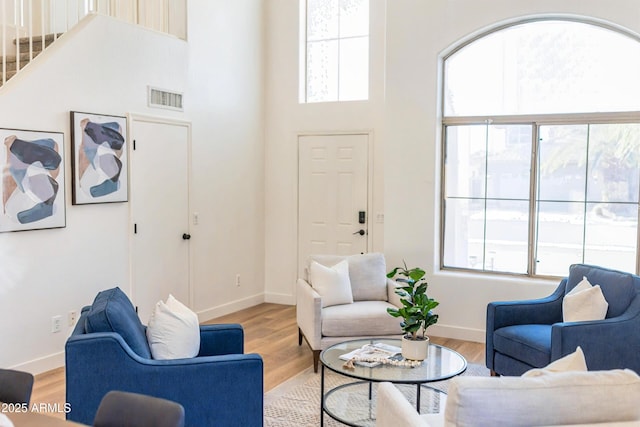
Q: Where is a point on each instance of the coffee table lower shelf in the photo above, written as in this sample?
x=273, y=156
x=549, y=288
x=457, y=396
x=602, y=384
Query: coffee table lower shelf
x=354, y=404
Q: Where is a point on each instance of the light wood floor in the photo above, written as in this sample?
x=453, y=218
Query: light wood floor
x=271, y=331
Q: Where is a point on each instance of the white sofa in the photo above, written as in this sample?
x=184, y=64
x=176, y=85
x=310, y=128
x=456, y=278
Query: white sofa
x=367, y=316
x=594, y=398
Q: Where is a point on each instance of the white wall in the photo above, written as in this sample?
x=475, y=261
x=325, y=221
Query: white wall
x=104, y=66
x=95, y=68
x=414, y=34
x=225, y=102
x=241, y=96
x=286, y=118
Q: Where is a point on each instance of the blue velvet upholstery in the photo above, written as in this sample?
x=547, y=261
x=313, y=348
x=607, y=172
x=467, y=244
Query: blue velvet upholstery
x=522, y=335
x=112, y=311
x=219, y=387
x=617, y=287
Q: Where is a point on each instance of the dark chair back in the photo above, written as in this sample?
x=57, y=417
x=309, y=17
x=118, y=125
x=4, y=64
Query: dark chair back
x=123, y=409
x=15, y=386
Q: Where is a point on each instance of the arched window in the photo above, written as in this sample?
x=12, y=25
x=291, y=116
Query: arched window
x=541, y=149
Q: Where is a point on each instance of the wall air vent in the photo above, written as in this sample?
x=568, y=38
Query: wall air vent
x=160, y=98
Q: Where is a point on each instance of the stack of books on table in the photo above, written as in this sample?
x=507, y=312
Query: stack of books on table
x=369, y=353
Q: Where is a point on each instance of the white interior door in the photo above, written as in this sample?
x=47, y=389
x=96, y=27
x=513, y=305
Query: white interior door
x=160, y=213
x=332, y=195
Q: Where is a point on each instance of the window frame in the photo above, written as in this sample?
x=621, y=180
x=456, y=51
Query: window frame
x=303, y=72
x=535, y=121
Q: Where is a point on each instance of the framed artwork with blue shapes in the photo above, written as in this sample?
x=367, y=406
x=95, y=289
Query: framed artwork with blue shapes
x=99, y=158
x=33, y=180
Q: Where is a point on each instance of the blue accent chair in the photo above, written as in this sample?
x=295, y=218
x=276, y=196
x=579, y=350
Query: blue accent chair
x=108, y=350
x=523, y=335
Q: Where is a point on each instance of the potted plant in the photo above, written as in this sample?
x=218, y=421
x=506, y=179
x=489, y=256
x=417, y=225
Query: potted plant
x=415, y=312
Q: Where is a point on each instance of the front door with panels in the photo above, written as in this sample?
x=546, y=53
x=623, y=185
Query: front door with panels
x=333, y=193
x=160, y=212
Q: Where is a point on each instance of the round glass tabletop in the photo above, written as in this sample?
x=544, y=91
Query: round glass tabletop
x=442, y=363
x=354, y=403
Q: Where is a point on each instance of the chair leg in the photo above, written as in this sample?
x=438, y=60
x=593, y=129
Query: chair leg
x=316, y=353
x=316, y=360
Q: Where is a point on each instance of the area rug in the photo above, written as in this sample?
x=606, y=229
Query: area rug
x=296, y=402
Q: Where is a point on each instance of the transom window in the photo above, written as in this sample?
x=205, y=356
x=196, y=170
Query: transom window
x=336, y=50
x=541, y=150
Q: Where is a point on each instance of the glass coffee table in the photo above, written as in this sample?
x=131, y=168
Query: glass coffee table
x=353, y=403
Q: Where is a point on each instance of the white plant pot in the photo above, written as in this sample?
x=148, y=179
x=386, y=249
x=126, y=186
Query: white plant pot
x=415, y=349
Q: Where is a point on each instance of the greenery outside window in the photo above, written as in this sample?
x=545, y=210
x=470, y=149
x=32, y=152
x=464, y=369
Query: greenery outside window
x=541, y=150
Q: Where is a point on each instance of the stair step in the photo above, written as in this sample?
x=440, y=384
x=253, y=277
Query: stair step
x=48, y=38
x=24, y=57
x=12, y=60
x=9, y=75
x=37, y=45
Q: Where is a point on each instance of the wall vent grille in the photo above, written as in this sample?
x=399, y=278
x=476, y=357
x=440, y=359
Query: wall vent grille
x=160, y=98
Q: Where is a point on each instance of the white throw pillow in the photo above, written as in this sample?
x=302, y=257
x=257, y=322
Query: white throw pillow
x=571, y=362
x=332, y=283
x=173, y=331
x=584, y=302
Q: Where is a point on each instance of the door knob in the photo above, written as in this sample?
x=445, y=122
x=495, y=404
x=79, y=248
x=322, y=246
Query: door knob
x=360, y=232
x=186, y=236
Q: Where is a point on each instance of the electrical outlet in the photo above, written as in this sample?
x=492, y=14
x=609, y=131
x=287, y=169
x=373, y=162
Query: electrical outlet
x=56, y=324
x=196, y=218
x=237, y=280
x=72, y=317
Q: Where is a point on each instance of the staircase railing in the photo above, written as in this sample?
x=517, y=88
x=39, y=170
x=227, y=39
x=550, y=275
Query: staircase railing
x=28, y=26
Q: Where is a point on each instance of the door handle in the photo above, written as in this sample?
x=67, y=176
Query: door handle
x=186, y=236
x=360, y=232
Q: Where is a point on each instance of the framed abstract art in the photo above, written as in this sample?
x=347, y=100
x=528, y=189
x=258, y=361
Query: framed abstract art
x=99, y=158
x=33, y=180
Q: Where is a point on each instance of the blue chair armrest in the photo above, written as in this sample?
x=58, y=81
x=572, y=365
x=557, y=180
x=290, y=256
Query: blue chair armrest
x=607, y=344
x=216, y=340
x=214, y=390
x=542, y=311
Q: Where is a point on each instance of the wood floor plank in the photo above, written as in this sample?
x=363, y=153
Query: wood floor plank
x=271, y=331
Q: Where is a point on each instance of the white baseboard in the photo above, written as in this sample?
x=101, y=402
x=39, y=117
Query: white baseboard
x=42, y=364
x=56, y=360
x=231, y=307
x=457, y=332
x=279, y=298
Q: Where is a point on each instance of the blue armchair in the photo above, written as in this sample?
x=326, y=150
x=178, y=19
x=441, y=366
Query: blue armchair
x=108, y=351
x=522, y=335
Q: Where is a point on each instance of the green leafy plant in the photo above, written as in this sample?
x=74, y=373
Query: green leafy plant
x=416, y=305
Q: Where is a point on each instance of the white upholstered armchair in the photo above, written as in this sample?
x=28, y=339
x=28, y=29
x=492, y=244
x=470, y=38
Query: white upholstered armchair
x=343, y=298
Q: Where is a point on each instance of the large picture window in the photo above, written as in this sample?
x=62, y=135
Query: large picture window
x=541, y=150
